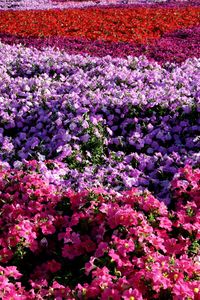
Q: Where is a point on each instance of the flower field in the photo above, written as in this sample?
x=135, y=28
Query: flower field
x=99, y=150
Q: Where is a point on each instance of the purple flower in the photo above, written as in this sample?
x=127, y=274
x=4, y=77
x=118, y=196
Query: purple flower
x=85, y=138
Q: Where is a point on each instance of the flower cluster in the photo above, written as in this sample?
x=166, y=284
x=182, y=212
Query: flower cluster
x=112, y=122
x=95, y=244
x=139, y=24
x=185, y=187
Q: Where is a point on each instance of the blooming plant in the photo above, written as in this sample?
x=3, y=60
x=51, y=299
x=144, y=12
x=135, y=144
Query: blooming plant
x=99, y=150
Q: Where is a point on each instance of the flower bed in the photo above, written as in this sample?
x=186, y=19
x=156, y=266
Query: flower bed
x=130, y=25
x=114, y=122
x=97, y=245
x=99, y=152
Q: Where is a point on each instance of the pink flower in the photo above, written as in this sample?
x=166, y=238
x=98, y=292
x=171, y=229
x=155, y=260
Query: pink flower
x=157, y=242
x=165, y=223
x=123, y=246
x=101, y=248
x=12, y=272
x=48, y=228
x=132, y=294
x=115, y=257
x=182, y=290
x=89, y=266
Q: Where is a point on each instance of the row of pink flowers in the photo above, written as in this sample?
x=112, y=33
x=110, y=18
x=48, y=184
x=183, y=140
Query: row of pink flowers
x=57, y=244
